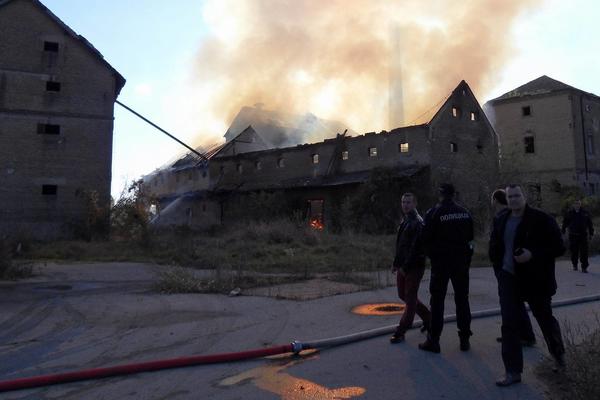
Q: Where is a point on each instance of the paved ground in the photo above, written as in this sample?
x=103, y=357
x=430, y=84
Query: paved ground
x=83, y=316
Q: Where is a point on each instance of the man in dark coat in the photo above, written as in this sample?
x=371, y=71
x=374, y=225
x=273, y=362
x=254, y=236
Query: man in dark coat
x=447, y=236
x=500, y=205
x=409, y=266
x=523, y=246
x=579, y=224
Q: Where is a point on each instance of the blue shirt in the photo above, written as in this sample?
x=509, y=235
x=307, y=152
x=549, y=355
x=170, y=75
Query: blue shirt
x=509, y=241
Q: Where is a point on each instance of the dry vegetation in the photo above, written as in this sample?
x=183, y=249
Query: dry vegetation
x=579, y=381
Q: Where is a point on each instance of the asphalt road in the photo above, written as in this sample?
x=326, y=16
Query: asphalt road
x=84, y=316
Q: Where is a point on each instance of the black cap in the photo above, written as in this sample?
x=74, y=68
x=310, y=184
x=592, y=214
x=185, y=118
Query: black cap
x=446, y=189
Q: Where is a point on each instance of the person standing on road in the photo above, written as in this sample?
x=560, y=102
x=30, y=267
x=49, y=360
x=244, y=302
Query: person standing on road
x=409, y=267
x=447, y=236
x=523, y=246
x=579, y=224
x=500, y=206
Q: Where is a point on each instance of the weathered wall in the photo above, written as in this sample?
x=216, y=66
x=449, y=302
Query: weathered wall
x=77, y=156
x=464, y=151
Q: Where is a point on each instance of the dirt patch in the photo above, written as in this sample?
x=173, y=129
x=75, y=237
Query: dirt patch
x=306, y=290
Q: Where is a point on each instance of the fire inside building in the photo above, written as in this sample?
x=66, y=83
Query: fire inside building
x=319, y=179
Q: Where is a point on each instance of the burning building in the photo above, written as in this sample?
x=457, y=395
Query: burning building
x=457, y=145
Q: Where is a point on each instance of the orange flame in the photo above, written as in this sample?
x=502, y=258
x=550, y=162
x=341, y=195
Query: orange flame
x=316, y=224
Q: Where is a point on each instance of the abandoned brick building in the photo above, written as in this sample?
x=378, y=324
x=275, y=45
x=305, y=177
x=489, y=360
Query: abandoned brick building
x=549, y=135
x=457, y=145
x=57, y=96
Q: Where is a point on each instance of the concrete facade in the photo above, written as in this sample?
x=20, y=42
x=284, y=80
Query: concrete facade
x=57, y=95
x=549, y=136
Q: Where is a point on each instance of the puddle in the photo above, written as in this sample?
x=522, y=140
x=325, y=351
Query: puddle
x=379, y=309
x=271, y=379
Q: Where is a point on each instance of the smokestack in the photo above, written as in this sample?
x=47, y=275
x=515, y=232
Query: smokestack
x=396, y=94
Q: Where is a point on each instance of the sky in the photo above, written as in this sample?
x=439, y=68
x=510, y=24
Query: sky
x=191, y=64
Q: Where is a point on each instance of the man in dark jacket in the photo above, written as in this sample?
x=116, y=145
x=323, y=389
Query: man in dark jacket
x=500, y=206
x=447, y=236
x=579, y=224
x=523, y=246
x=409, y=266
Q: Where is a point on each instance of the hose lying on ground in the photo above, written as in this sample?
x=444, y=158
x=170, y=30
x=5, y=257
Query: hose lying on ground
x=294, y=347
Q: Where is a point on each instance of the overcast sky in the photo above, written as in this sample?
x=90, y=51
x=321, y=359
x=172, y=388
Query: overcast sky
x=155, y=46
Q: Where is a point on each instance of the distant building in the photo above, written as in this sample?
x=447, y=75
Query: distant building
x=549, y=136
x=57, y=95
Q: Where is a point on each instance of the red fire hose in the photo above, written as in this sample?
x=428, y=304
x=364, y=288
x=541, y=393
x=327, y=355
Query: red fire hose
x=295, y=347
x=95, y=373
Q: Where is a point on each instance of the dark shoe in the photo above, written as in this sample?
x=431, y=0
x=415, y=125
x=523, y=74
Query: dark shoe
x=509, y=379
x=560, y=363
x=464, y=343
x=397, y=337
x=430, y=345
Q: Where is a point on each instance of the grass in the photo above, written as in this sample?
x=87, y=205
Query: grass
x=10, y=270
x=182, y=280
x=579, y=381
x=279, y=246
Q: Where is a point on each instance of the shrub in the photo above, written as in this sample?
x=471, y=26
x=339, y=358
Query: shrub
x=579, y=381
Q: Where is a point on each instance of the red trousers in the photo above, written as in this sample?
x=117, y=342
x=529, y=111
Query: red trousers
x=408, y=289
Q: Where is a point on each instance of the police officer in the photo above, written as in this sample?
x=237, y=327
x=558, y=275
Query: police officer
x=447, y=236
x=579, y=223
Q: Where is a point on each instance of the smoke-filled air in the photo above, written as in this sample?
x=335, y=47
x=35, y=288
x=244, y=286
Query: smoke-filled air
x=342, y=59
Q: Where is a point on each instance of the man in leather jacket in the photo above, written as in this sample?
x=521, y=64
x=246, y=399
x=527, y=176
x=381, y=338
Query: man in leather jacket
x=409, y=266
x=523, y=246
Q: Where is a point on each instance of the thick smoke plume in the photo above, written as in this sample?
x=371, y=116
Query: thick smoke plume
x=333, y=58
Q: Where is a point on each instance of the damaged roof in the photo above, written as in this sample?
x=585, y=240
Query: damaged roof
x=120, y=80
x=319, y=181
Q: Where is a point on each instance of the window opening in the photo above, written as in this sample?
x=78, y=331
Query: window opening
x=529, y=144
x=49, y=190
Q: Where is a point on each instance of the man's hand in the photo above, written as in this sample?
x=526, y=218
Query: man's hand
x=523, y=257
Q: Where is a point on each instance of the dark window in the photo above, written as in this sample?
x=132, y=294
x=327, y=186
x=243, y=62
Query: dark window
x=280, y=163
x=403, y=147
x=474, y=116
x=315, y=158
x=240, y=168
x=529, y=144
x=51, y=46
x=345, y=155
x=52, y=86
x=258, y=165
x=372, y=151
x=456, y=112
x=204, y=174
x=453, y=147
x=590, y=144
x=49, y=190
x=480, y=149
x=526, y=111
x=48, y=129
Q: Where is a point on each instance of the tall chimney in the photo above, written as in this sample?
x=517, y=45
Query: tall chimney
x=396, y=96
